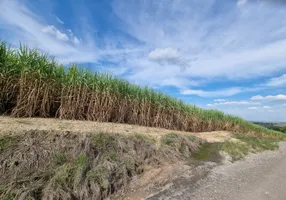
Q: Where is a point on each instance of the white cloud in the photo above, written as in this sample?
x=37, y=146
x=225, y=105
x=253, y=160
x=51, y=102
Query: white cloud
x=227, y=103
x=241, y=3
x=59, y=20
x=55, y=32
x=143, y=76
x=277, y=81
x=274, y=113
x=257, y=98
x=252, y=108
x=218, y=93
x=239, y=103
x=219, y=100
x=269, y=115
x=74, y=39
x=167, y=54
x=279, y=97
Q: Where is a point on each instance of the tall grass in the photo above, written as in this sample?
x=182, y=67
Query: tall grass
x=34, y=85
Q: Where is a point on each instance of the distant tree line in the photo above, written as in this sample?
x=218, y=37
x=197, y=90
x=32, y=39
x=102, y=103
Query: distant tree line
x=283, y=129
x=272, y=126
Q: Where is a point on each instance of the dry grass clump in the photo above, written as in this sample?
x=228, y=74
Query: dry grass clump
x=56, y=165
x=175, y=145
x=34, y=85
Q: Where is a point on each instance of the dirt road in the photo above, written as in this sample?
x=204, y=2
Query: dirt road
x=258, y=177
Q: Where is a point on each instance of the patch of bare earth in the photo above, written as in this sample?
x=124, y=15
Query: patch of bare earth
x=159, y=183
x=16, y=125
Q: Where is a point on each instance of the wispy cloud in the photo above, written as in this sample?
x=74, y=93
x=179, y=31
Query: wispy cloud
x=225, y=92
x=231, y=45
x=219, y=100
x=252, y=108
x=277, y=81
x=268, y=115
x=240, y=3
x=218, y=93
x=73, y=38
x=168, y=55
x=59, y=20
x=55, y=32
x=266, y=107
x=226, y=103
x=279, y=97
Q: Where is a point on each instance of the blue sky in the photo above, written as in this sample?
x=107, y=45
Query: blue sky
x=218, y=54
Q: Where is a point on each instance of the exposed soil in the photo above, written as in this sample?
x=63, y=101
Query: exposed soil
x=16, y=125
x=157, y=181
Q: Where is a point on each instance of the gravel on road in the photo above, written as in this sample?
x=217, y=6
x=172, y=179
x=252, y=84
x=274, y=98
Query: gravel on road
x=259, y=176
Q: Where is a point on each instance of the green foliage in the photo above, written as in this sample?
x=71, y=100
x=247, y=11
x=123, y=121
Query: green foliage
x=208, y=152
x=63, y=176
x=99, y=175
x=82, y=161
x=59, y=158
x=141, y=137
x=191, y=137
x=169, y=139
x=104, y=141
x=273, y=126
x=259, y=144
x=7, y=141
x=236, y=150
x=8, y=197
x=80, y=168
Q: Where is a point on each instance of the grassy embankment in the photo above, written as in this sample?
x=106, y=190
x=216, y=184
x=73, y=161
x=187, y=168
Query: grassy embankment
x=34, y=85
x=59, y=165
x=69, y=165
